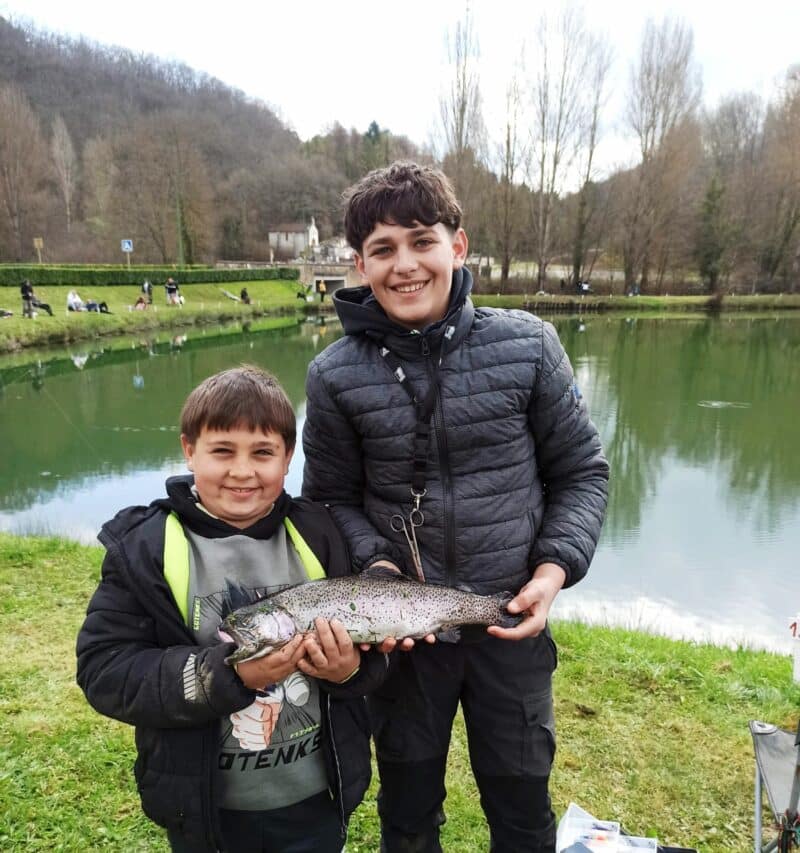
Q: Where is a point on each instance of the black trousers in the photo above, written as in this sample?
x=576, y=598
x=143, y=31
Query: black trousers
x=311, y=826
x=505, y=693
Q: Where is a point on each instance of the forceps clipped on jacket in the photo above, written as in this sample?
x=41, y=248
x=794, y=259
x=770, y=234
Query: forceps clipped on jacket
x=408, y=528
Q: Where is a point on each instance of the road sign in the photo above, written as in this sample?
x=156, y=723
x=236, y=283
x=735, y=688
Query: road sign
x=127, y=246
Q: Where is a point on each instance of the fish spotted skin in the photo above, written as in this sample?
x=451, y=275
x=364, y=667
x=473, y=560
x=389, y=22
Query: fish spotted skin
x=370, y=607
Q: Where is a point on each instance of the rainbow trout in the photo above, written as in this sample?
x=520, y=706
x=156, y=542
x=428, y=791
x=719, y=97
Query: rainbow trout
x=371, y=607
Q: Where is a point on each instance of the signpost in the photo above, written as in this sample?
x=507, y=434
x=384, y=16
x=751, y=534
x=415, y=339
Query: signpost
x=794, y=632
x=127, y=247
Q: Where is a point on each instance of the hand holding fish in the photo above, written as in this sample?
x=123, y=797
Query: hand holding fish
x=533, y=601
x=405, y=643
x=329, y=652
x=259, y=672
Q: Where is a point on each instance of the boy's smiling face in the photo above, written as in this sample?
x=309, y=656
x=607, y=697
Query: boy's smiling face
x=239, y=473
x=410, y=270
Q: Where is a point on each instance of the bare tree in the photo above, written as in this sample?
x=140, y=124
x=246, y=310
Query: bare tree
x=599, y=58
x=509, y=161
x=23, y=166
x=556, y=96
x=680, y=192
x=778, y=225
x=162, y=197
x=664, y=93
x=733, y=135
x=100, y=174
x=65, y=162
x=462, y=111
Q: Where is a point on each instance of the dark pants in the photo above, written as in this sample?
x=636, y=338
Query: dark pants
x=505, y=692
x=311, y=826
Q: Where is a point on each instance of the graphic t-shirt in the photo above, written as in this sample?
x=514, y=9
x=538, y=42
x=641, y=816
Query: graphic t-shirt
x=268, y=753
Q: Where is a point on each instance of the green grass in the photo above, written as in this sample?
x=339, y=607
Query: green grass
x=652, y=732
x=205, y=303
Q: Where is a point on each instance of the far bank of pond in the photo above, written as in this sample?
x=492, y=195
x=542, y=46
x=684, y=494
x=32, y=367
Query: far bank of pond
x=211, y=304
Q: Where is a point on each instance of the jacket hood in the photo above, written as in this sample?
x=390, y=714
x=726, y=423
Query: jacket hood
x=182, y=498
x=361, y=313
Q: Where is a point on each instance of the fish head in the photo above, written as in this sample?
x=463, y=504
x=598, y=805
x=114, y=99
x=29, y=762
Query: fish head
x=257, y=629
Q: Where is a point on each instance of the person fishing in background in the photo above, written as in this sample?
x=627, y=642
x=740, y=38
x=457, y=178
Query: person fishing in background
x=452, y=443
x=269, y=754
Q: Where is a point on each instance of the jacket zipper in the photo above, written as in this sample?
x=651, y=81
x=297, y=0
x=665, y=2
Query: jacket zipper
x=448, y=502
x=337, y=765
x=208, y=799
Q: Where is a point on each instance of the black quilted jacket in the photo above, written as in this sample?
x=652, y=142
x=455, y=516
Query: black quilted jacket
x=515, y=475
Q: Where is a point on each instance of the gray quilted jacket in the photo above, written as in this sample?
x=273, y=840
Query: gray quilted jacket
x=515, y=475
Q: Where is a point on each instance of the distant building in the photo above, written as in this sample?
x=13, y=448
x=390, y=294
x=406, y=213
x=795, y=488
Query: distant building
x=335, y=250
x=290, y=239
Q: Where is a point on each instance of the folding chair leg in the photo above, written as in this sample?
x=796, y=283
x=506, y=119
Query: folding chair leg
x=757, y=848
x=773, y=845
x=757, y=813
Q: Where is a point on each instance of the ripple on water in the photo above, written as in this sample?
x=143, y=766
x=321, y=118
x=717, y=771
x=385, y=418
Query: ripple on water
x=722, y=404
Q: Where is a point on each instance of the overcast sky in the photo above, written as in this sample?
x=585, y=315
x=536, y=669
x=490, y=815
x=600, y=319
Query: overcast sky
x=317, y=62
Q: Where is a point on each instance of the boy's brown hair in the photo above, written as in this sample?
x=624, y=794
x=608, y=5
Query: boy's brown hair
x=402, y=194
x=244, y=396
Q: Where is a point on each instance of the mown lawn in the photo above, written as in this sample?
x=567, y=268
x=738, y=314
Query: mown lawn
x=205, y=303
x=652, y=732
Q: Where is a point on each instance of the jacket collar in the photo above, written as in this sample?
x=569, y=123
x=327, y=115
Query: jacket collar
x=361, y=314
x=182, y=499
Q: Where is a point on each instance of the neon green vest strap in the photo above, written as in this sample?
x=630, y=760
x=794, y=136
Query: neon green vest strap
x=176, y=563
x=176, y=560
x=308, y=558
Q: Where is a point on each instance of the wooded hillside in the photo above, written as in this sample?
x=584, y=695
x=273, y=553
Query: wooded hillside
x=98, y=144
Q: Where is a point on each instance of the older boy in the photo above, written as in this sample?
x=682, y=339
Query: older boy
x=261, y=757
x=453, y=442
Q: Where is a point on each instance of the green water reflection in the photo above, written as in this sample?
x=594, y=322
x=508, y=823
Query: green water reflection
x=94, y=412
x=699, y=419
x=717, y=393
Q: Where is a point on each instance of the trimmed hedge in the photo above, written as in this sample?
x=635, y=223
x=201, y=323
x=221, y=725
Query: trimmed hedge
x=12, y=275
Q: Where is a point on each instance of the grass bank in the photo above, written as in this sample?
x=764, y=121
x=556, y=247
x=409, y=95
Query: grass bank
x=205, y=304
x=573, y=303
x=652, y=732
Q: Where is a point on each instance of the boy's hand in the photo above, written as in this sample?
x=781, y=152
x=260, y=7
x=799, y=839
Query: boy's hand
x=261, y=672
x=534, y=601
x=405, y=643
x=330, y=653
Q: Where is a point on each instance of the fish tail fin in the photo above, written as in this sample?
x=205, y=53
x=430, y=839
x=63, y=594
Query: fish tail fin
x=507, y=620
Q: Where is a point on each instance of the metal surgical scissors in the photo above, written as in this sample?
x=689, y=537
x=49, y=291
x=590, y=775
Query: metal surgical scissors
x=408, y=528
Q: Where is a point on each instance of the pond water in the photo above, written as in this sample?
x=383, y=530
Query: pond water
x=700, y=420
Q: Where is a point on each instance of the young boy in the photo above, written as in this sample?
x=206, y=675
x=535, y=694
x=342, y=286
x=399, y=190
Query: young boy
x=465, y=424
x=274, y=753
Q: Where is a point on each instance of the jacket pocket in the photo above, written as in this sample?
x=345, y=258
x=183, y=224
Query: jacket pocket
x=539, y=734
